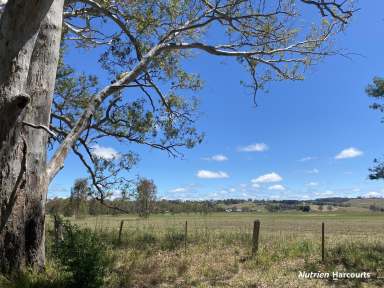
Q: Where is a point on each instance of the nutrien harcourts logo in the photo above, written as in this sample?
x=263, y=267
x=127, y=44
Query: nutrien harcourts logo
x=333, y=275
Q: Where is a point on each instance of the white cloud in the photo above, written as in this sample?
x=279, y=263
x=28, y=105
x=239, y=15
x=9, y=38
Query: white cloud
x=308, y=158
x=267, y=178
x=106, y=153
x=313, y=171
x=255, y=185
x=325, y=193
x=373, y=194
x=257, y=147
x=312, y=184
x=218, y=158
x=206, y=174
x=277, y=187
x=349, y=153
x=227, y=191
x=178, y=190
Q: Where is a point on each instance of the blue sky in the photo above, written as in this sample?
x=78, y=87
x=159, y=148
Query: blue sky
x=308, y=139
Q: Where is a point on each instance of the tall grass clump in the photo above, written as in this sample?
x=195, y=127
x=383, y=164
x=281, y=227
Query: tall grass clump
x=357, y=256
x=172, y=240
x=51, y=277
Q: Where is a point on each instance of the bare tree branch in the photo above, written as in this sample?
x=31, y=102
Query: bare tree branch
x=50, y=132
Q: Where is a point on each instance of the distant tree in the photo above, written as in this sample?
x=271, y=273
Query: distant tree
x=306, y=208
x=329, y=207
x=53, y=206
x=79, y=194
x=272, y=207
x=145, y=197
x=321, y=207
x=376, y=91
x=376, y=208
x=68, y=209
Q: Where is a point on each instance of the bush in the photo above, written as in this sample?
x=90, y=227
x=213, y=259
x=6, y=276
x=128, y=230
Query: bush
x=305, y=208
x=375, y=208
x=84, y=256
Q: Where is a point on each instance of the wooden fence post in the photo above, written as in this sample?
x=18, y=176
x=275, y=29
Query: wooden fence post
x=255, y=237
x=185, y=237
x=121, y=230
x=322, y=241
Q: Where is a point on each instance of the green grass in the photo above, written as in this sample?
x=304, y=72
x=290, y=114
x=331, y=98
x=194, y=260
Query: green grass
x=152, y=253
x=276, y=224
x=366, y=202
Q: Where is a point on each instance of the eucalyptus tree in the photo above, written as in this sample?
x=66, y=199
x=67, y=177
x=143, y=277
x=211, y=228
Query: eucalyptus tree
x=376, y=91
x=147, y=99
x=145, y=197
x=79, y=195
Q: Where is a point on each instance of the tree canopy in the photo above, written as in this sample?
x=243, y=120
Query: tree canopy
x=376, y=91
x=152, y=98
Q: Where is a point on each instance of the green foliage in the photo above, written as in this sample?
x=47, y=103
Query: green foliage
x=83, y=256
x=304, y=208
x=145, y=197
x=79, y=195
x=358, y=256
x=377, y=172
x=146, y=44
x=376, y=90
x=375, y=208
x=52, y=277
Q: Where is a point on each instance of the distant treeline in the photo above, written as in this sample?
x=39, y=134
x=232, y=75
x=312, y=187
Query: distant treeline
x=69, y=207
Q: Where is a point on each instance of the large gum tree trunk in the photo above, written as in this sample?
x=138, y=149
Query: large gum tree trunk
x=23, y=147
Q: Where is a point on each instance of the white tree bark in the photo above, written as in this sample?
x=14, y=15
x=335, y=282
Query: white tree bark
x=22, y=179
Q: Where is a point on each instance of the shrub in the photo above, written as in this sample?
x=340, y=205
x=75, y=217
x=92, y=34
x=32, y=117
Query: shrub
x=376, y=208
x=304, y=208
x=84, y=256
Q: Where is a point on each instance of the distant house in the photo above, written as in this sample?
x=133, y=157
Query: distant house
x=239, y=210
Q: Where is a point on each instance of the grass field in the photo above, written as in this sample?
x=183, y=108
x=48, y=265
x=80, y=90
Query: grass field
x=152, y=252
